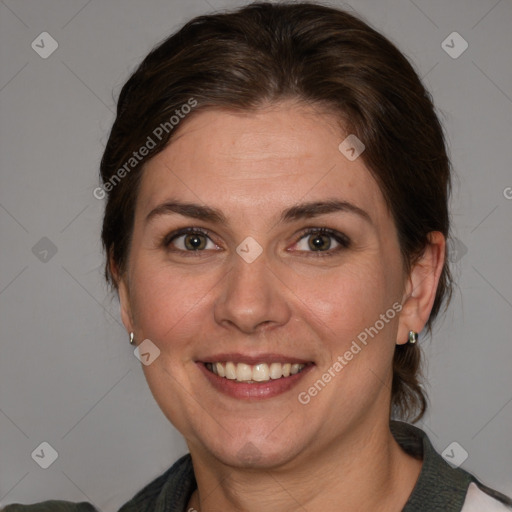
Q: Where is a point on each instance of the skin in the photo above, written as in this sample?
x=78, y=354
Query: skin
x=338, y=447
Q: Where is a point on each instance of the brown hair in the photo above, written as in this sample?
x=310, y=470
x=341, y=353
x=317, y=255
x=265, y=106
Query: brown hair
x=260, y=54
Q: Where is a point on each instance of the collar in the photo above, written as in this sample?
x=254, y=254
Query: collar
x=439, y=485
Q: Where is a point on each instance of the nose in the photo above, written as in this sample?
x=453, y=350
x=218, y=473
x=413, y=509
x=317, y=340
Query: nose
x=252, y=298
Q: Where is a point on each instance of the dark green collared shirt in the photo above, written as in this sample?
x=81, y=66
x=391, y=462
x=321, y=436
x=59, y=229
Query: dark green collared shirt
x=440, y=487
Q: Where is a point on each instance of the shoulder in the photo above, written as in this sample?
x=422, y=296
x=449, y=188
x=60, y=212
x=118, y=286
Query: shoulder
x=443, y=486
x=478, y=500
x=175, y=486
x=50, y=506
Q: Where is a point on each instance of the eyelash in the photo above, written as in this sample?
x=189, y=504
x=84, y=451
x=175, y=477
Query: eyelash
x=342, y=239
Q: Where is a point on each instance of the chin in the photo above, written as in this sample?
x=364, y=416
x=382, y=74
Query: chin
x=254, y=452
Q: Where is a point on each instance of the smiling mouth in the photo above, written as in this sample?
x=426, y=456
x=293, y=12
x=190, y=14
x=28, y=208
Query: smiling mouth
x=254, y=373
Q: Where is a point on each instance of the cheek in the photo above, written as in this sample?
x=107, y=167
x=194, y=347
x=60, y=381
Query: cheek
x=345, y=300
x=171, y=303
x=168, y=303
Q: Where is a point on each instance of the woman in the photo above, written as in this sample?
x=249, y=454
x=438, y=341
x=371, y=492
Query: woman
x=277, y=186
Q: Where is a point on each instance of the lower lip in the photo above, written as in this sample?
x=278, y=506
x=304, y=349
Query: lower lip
x=257, y=390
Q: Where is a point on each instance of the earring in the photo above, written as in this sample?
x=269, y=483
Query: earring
x=413, y=336
x=132, y=341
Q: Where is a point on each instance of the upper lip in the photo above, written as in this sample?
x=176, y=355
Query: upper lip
x=253, y=358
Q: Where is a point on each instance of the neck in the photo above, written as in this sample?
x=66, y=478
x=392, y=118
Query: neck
x=364, y=470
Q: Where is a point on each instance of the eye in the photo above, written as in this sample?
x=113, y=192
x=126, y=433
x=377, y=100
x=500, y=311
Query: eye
x=318, y=240
x=188, y=240
x=195, y=240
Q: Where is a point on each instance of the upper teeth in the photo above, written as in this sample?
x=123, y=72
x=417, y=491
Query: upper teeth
x=254, y=373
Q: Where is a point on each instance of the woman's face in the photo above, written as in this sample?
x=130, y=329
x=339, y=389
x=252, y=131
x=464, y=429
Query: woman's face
x=256, y=288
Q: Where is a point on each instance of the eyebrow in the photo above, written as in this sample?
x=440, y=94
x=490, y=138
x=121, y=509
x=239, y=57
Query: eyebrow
x=301, y=211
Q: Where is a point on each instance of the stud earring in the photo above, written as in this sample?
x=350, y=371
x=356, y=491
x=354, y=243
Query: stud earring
x=413, y=336
x=132, y=341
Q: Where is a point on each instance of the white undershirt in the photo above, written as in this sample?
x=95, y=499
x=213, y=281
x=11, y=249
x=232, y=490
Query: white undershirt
x=479, y=501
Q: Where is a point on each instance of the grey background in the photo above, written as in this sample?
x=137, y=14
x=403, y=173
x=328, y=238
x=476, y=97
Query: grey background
x=68, y=375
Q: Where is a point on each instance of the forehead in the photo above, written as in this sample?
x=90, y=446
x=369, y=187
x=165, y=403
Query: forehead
x=258, y=163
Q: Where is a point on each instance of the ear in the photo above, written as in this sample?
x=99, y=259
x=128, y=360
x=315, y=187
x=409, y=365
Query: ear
x=421, y=286
x=123, y=291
